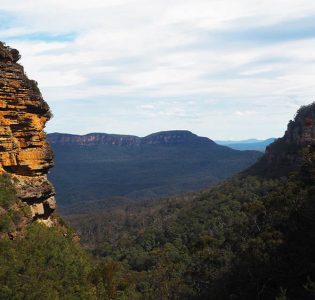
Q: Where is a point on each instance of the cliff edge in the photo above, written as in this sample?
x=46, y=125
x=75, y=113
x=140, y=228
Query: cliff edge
x=25, y=153
x=287, y=154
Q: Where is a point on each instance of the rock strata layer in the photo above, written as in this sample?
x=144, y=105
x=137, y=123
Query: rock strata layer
x=24, y=151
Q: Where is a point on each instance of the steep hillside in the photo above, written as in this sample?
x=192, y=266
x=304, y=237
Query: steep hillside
x=102, y=166
x=251, y=237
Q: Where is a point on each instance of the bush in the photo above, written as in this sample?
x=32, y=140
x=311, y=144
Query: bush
x=43, y=265
x=15, y=55
x=7, y=192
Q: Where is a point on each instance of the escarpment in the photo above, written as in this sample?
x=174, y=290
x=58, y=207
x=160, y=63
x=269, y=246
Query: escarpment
x=24, y=151
x=172, y=137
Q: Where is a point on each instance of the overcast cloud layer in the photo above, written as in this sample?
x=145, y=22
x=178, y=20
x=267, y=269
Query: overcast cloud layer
x=226, y=69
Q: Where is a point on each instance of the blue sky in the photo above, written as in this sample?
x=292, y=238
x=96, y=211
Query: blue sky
x=226, y=69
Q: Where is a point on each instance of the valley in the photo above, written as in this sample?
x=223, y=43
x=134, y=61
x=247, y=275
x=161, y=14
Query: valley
x=102, y=170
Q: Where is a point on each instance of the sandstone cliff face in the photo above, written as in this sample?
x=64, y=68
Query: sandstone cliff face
x=24, y=151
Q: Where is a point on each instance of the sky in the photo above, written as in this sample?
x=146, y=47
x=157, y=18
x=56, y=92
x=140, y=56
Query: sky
x=225, y=69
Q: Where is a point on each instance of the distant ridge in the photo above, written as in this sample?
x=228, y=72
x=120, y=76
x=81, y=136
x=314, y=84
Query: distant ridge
x=172, y=137
x=250, y=144
x=247, y=141
x=92, y=139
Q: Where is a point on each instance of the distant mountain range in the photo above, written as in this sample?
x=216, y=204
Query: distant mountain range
x=175, y=137
x=100, y=166
x=250, y=144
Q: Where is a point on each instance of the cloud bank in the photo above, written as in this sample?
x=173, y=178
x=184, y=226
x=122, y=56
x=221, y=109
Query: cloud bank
x=223, y=69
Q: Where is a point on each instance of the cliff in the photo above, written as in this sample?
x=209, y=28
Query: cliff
x=24, y=151
x=286, y=154
x=93, y=139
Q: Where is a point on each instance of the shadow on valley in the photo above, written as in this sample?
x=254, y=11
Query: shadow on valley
x=106, y=170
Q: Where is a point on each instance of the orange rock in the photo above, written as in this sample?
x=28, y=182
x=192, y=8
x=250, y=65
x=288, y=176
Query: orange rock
x=24, y=151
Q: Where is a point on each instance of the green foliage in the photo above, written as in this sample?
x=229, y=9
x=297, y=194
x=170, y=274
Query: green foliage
x=248, y=238
x=282, y=295
x=310, y=287
x=5, y=223
x=7, y=192
x=43, y=265
x=12, y=210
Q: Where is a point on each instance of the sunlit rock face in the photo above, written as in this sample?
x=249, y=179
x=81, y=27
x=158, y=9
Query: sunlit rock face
x=24, y=151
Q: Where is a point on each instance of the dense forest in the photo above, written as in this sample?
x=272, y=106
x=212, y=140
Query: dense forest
x=251, y=237
x=245, y=239
x=42, y=263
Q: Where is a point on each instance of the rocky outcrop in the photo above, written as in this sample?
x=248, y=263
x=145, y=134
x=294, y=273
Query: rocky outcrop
x=173, y=137
x=285, y=155
x=24, y=151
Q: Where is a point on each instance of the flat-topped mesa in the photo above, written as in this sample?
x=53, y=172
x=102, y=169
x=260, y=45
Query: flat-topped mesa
x=175, y=137
x=24, y=151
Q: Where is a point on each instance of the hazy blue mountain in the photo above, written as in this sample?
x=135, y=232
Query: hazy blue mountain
x=250, y=144
x=101, y=166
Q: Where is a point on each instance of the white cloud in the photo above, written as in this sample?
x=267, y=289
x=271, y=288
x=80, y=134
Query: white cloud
x=133, y=54
x=246, y=113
